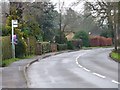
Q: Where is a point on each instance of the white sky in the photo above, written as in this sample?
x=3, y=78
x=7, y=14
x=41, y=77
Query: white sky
x=67, y=4
x=80, y=7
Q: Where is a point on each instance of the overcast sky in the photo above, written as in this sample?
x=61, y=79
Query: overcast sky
x=68, y=3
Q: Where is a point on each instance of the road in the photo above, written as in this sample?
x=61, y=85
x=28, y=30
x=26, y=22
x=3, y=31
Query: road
x=80, y=69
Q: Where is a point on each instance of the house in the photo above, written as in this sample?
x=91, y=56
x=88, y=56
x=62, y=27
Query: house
x=69, y=35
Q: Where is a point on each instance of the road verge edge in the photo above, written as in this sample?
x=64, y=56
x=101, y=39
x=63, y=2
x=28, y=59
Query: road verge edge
x=110, y=55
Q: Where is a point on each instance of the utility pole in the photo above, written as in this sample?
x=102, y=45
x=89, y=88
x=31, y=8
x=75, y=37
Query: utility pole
x=119, y=23
x=60, y=18
x=115, y=25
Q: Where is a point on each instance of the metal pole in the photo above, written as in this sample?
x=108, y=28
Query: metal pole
x=60, y=19
x=13, y=46
x=115, y=26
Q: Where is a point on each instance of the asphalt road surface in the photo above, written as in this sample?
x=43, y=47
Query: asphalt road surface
x=80, y=69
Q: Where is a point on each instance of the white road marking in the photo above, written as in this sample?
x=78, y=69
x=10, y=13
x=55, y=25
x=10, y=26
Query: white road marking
x=80, y=66
x=77, y=62
x=115, y=82
x=99, y=75
x=27, y=65
x=86, y=69
x=78, y=58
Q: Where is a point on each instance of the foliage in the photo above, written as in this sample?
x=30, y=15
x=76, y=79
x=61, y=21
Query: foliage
x=20, y=48
x=83, y=36
x=6, y=47
x=60, y=38
x=31, y=28
x=70, y=45
x=8, y=61
x=100, y=41
x=77, y=43
x=62, y=47
x=45, y=47
x=6, y=30
x=31, y=42
x=115, y=56
x=74, y=21
x=100, y=10
x=45, y=17
x=74, y=44
x=106, y=33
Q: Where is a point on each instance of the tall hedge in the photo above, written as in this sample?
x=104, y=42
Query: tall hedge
x=6, y=47
x=62, y=47
x=31, y=44
x=20, y=48
x=74, y=44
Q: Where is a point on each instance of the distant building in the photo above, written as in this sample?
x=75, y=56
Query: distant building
x=69, y=35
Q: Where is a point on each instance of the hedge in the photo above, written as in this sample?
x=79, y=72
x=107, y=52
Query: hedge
x=70, y=45
x=100, y=41
x=6, y=47
x=20, y=48
x=74, y=44
x=32, y=47
x=31, y=44
x=62, y=47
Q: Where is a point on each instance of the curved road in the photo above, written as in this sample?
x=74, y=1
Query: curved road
x=80, y=69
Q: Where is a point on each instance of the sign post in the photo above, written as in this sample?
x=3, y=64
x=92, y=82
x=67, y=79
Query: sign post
x=14, y=24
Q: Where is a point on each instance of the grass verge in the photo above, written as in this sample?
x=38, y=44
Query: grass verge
x=115, y=55
x=9, y=61
x=85, y=48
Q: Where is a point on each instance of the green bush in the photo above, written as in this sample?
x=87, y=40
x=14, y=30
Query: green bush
x=6, y=30
x=84, y=37
x=70, y=45
x=74, y=44
x=6, y=47
x=20, y=48
x=62, y=47
x=61, y=39
x=30, y=41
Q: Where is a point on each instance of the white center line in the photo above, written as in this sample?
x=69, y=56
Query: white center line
x=99, y=75
x=86, y=69
x=115, y=82
x=80, y=66
x=77, y=62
